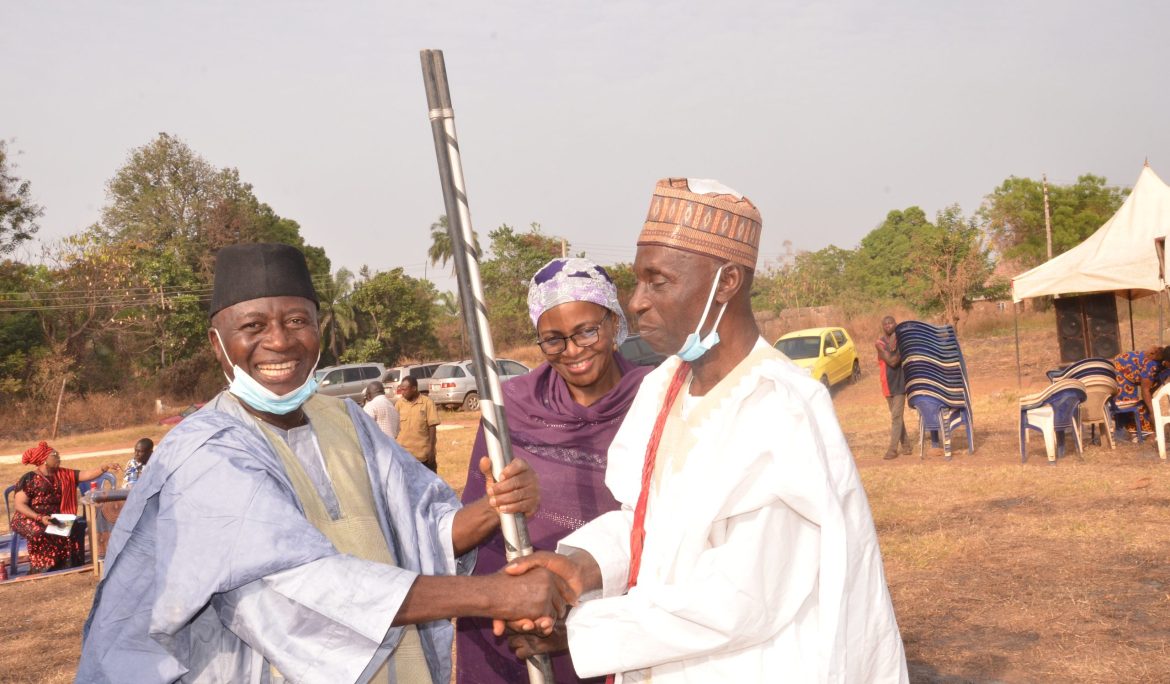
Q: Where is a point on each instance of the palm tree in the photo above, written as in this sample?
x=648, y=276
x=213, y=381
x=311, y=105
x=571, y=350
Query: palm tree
x=448, y=305
x=337, y=319
x=440, y=252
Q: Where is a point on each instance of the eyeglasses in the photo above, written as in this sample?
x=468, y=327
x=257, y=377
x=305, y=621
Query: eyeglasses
x=585, y=338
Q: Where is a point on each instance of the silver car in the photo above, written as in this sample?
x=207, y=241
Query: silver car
x=421, y=373
x=453, y=384
x=348, y=381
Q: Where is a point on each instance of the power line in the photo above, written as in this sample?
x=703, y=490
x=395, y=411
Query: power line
x=145, y=289
x=75, y=307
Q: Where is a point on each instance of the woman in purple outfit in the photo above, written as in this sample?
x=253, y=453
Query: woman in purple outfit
x=562, y=417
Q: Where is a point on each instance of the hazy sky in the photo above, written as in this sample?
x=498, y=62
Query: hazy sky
x=826, y=114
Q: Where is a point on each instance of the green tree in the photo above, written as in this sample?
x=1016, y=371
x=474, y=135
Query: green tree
x=169, y=197
x=21, y=337
x=951, y=264
x=515, y=258
x=877, y=271
x=812, y=279
x=395, y=316
x=450, y=327
x=1012, y=216
x=439, y=253
x=18, y=212
x=338, y=320
x=625, y=281
x=125, y=299
x=168, y=212
x=166, y=195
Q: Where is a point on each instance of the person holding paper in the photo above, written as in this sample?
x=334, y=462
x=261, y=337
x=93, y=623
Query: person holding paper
x=42, y=493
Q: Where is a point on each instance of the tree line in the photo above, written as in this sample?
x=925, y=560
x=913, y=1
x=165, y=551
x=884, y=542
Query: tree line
x=939, y=266
x=122, y=303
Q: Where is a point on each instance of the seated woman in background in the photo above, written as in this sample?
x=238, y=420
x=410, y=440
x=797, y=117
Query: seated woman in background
x=561, y=417
x=42, y=493
x=1138, y=377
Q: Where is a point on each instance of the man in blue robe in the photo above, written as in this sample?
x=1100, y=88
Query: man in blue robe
x=279, y=535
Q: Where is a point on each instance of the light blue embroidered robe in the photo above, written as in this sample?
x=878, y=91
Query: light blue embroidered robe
x=213, y=572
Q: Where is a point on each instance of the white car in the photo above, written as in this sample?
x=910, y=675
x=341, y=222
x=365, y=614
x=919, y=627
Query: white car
x=453, y=384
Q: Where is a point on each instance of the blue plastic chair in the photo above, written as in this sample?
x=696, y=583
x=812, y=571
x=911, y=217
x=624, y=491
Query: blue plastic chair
x=1133, y=409
x=1079, y=370
x=938, y=417
x=96, y=483
x=936, y=383
x=1053, y=412
x=12, y=556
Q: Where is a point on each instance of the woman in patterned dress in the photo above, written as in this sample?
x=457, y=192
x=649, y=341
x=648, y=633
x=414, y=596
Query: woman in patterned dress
x=1138, y=376
x=42, y=493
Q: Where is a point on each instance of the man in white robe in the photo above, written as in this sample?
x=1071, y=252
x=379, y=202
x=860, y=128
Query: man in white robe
x=757, y=559
x=279, y=535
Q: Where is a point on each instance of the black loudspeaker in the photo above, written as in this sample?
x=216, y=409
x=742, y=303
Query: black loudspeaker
x=1070, y=329
x=1102, y=329
x=1087, y=326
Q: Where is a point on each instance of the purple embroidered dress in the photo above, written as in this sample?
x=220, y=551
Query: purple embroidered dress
x=566, y=444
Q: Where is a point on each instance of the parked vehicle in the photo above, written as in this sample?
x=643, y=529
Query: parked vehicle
x=639, y=353
x=348, y=381
x=828, y=353
x=420, y=372
x=453, y=384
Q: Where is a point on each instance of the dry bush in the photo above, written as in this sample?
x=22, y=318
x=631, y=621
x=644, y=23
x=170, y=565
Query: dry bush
x=527, y=354
x=33, y=419
x=864, y=326
x=193, y=379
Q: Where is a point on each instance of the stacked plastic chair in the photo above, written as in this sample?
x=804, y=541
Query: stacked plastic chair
x=936, y=383
x=1052, y=412
x=1100, y=380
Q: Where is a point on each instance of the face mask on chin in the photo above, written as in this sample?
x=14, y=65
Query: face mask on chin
x=693, y=348
x=248, y=390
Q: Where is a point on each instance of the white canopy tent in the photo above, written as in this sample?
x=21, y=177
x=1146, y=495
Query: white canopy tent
x=1120, y=257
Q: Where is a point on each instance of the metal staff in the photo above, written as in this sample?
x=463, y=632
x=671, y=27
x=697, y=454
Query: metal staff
x=487, y=376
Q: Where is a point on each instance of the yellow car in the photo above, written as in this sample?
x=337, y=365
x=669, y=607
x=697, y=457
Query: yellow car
x=827, y=353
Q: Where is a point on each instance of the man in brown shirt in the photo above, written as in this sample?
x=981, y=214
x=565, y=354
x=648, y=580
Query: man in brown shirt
x=418, y=420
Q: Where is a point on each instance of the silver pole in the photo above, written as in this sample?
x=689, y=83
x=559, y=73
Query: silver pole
x=495, y=424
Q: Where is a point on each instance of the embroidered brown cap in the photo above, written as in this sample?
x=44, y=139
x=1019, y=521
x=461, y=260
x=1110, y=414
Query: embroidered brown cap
x=705, y=217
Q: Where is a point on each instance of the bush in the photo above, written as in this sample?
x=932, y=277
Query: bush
x=33, y=419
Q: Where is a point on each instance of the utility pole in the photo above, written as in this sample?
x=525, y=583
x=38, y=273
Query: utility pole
x=564, y=248
x=1047, y=216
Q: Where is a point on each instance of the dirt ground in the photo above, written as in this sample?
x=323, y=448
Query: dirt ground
x=999, y=571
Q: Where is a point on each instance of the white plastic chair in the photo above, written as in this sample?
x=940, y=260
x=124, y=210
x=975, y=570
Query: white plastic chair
x=1161, y=417
x=1052, y=412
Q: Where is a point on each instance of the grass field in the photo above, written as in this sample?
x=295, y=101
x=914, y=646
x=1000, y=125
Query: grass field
x=1000, y=571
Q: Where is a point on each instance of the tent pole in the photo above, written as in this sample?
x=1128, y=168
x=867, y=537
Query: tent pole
x=1016, y=322
x=1132, y=342
x=1161, y=325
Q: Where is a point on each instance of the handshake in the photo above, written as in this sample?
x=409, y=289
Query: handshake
x=540, y=589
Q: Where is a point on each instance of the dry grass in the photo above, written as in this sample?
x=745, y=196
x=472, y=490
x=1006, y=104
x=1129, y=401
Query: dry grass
x=1000, y=571
x=97, y=412
x=529, y=355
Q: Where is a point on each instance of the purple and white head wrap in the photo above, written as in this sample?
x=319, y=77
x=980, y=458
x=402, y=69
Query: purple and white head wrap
x=574, y=280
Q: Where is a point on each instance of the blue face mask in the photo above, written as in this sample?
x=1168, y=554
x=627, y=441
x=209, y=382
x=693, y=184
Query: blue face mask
x=259, y=397
x=693, y=347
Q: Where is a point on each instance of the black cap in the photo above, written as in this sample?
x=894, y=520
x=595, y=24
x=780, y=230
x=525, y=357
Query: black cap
x=255, y=270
